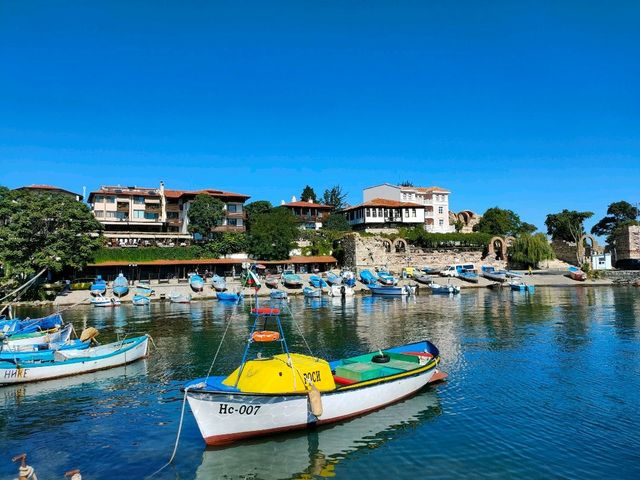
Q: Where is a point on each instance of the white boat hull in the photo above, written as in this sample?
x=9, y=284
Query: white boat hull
x=225, y=417
x=61, y=336
x=82, y=363
x=337, y=291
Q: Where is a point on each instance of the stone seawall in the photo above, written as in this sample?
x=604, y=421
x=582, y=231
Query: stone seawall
x=622, y=276
x=371, y=251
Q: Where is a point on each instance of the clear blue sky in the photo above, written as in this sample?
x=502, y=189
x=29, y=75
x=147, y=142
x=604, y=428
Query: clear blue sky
x=533, y=107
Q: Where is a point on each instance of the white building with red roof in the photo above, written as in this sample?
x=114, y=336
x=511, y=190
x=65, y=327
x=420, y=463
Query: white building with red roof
x=311, y=215
x=435, y=201
x=382, y=214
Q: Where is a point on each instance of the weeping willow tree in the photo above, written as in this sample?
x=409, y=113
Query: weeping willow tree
x=529, y=250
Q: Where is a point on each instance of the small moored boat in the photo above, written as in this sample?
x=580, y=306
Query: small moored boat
x=290, y=391
x=177, y=297
x=291, y=280
x=102, y=301
x=196, y=282
x=311, y=292
x=278, y=294
x=73, y=361
x=385, y=278
x=229, y=296
x=392, y=290
x=143, y=289
x=444, y=289
x=490, y=273
x=577, y=274
x=98, y=287
x=272, y=281
x=424, y=279
x=218, y=283
x=341, y=291
x=333, y=279
x=56, y=335
x=317, y=281
x=522, y=287
x=468, y=275
x=120, y=286
x=140, y=300
x=367, y=277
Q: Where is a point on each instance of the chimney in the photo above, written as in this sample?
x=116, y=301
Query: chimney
x=293, y=198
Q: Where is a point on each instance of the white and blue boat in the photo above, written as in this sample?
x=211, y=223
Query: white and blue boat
x=385, y=278
x=310, y=292
x=391, y=290
x=317, y=281
x=177, y=297
x=140, y=300
x=367, y=277
x=444, y=289
x=333, y=279
x=74, y=361
x=43, y=351
x=348, y=278
x=196, y=282
x=29, y=325
x=468, y=275
x=291, y=280
x=490, y=273
x=21, y=340
x=522, y=287
x=98, y=286
x=102, y=301
x=120, y=286
x=229, y=296
x=143, y=289
x=279, y=294
x=218, y=283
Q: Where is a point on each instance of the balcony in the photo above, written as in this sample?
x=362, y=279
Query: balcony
x=229, y=228
x=123, y=207
x=242, y=215
x=154, y=208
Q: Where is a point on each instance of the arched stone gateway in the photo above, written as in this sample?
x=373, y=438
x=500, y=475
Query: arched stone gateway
x=498, y=247
x=587, y=246
x=386, y=244
x=400, y=245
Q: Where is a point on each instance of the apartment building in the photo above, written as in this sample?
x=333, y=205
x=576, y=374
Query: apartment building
x=311, y=215
x=51, y=189
x=435, y=201
x=139, y=216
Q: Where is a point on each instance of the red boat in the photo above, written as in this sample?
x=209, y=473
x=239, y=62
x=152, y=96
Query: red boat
x=577, y=274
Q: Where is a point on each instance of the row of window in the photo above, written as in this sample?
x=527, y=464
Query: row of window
x=390, y=212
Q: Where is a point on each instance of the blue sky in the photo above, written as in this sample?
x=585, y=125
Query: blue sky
x=529, y=106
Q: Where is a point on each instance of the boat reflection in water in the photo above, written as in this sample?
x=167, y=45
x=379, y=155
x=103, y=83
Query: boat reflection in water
x=317, y=452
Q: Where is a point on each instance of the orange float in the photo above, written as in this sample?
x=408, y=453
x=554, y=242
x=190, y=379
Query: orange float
x=265, y=336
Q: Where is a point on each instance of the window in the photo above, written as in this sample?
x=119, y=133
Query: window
x=138, y=200
x=110, y=199
x=122, y=215
x=441, y=222
x=380, y=214
x=151, y=216
x=406, y=212
x=110, y=214
x=413, y=212
x=138, y=214
x=172, y=215
x=99, y=213
x=375, y=212
x=368, y=213
x=99, y=198
x=440, y=209
x=232, y=221
x=234, y=208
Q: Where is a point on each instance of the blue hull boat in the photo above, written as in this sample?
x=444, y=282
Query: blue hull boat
x=229, y=297
x=317, y=281
x=144, y=290
x=522, y=287
x=490, y=273
x=444, y=289
x=468, y=276
x=385, y=278
x=218, y=283
x=120, y=286
x=141, y=300
x=333, y=279
x=367, y=277
x=391, y=290
x=312, y=292
x=196, y=282
x=291, y=280
x=29, y=325
x=98, y=287
x=279, y=294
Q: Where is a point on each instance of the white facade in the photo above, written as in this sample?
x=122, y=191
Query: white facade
x=434, y=199
x=601, y=261
x=379, y=214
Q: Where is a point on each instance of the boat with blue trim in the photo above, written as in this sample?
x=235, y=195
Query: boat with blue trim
x=287, y=391
x=291, y=280
x=333, y=279
x=196, y=282
x=522, y=287
x=317, y=281
x=444, y=289
x=391, y=290
x=218, y=283
x=143, y=289
x=120, y=286
x=367, y=277
x=311, y=292
x=140, y=300
x=98, y=286
x=229, y=296
x=490, y=273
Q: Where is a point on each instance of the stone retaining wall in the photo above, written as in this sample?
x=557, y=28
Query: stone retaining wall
x=622, y=276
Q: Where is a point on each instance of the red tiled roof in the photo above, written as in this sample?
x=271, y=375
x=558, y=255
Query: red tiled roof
x=383, y=202
x=213, y=261
x=432, y=189
x=307, y=204
x=208, y=191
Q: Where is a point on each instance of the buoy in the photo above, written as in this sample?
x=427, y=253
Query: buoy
x=380, y=358
x=73, y=474
x=89, y=334
x=315, y=401
x=265, y=336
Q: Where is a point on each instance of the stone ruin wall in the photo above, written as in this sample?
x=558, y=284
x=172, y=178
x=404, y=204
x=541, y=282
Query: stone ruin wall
x=371, y=252
x=628, y=244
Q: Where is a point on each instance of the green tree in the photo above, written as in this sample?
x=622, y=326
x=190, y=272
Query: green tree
x=498, y=221
x=619, y=215
x=458, y=225
x=308, y=194
x=529, y=250
x=255, y=208
x=273, y=234
x=337, y=222
x=45, y=230
x=335, y=198
x=205, y=213
x=568, y=225
x=406, y=183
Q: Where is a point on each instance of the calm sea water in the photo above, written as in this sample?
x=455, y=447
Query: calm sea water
x=541, y=386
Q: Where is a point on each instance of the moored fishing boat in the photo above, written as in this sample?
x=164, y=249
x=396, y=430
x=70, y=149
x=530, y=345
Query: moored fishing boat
x=522, y=287
x=229, y=296
x=29, y=325
x=490, y=273
x=98, y=286
x=385, y=278
x=367, y=277
x=291, y=280
x=468, y=276
x=56, y=335
x=196, y=282
x=73, y=362
x=140, y=300
x=144, y=289
x=177, y=297
x=272, y=281
x=120, y=286
x=102, y=301
x=577, y=274
x=424, y=279
x=333, y=279
x=311, y=292
x=317, y=281
x=444, y=289
x=392, y=290
x=293, y=391
x=278, y=294
x=341, y=291
x=348, y=278
x=218, y=283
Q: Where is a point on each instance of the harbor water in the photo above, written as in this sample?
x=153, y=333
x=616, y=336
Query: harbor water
x=540, y=386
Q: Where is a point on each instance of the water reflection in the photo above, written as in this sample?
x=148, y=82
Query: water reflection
x=316, y=453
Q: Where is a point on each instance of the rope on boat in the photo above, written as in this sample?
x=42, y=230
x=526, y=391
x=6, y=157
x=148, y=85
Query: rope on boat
x=224, y=334
x=293, y=319
x=25, y=285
